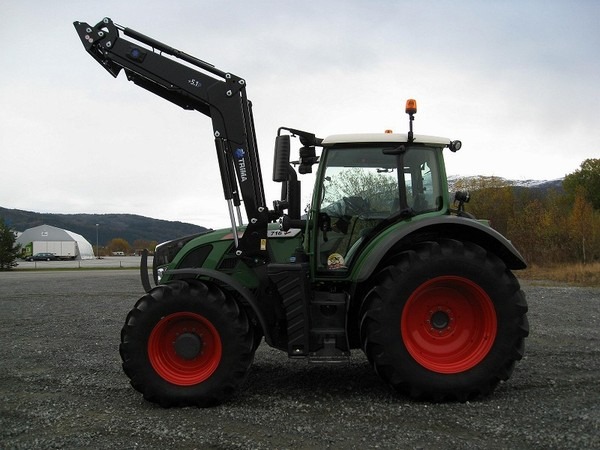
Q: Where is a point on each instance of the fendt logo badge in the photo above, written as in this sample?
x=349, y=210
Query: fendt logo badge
x=239, y=154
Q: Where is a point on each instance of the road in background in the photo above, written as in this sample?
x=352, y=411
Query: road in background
x=102, y=263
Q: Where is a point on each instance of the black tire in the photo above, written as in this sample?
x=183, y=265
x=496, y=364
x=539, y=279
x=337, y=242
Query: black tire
x=445, y=320
x=186, y=343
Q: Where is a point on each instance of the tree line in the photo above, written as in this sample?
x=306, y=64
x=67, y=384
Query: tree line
x=120, y=245
x=559, y=227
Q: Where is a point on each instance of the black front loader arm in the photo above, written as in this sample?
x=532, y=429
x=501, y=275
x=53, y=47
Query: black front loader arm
x=217, y=94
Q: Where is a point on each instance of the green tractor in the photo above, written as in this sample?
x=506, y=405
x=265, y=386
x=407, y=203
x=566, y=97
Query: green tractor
x=383, y=259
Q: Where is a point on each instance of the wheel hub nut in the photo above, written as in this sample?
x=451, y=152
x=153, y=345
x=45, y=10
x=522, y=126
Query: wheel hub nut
x=188, y=345
x=440, y=320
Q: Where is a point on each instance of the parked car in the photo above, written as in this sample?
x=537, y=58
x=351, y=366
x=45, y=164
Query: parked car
x=42, y=257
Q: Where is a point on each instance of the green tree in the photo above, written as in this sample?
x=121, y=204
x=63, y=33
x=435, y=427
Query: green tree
x=119, y=245
x=559, y=245
x=492, y=198
x=527, y=231
x=586, y=178
x=582, y=225
x=140, y=244
x=8, y=250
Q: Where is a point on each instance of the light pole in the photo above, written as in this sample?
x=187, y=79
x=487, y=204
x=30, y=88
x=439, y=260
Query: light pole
x=97, y=248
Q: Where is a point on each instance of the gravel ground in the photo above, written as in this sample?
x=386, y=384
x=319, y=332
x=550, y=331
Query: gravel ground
x=61, y=383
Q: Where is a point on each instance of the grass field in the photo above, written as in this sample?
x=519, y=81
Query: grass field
x=575, y=274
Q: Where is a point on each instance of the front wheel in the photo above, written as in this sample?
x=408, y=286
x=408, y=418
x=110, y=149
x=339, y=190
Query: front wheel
x=444, y=320
x=186, y=343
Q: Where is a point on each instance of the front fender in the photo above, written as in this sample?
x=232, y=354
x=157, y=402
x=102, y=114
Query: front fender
x=233, y=284
x=452, y=227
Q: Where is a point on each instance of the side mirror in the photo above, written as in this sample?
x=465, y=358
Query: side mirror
x=281, y=159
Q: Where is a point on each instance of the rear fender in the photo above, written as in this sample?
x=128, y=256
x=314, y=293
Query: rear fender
x=451, y=227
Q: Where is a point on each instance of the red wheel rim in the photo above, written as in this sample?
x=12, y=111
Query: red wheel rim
x=168, y=361
x=449, y=324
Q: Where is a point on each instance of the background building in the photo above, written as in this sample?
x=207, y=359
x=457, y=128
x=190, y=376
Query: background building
x=48, y=239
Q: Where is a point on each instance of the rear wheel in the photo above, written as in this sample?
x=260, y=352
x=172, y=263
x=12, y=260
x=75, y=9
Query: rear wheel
x=445, y=320
x=186, y=343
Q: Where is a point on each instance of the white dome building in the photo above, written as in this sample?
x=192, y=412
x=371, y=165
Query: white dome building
x=48, y=239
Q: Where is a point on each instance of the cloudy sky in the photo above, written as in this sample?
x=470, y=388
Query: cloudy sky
x=517, y=81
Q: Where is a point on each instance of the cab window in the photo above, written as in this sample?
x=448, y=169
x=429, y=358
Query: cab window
x=361, y=187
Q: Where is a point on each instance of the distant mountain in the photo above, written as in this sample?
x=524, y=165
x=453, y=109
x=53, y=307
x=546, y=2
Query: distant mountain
x=538, y=187
x=127, y=226
x=132, y=227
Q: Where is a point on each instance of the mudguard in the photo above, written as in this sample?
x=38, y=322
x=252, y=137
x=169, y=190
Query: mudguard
x=452, y=227
x=144, y=271
x=233, y=284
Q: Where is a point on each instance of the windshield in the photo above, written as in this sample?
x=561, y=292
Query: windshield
x=363, y=186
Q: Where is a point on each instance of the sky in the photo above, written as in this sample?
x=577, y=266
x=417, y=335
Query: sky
x=516, y=81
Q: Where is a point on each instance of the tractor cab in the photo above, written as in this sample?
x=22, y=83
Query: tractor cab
x=368, y=182
x=365, y=184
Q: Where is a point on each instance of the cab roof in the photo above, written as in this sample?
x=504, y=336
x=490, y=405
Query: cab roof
x=383, y=137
